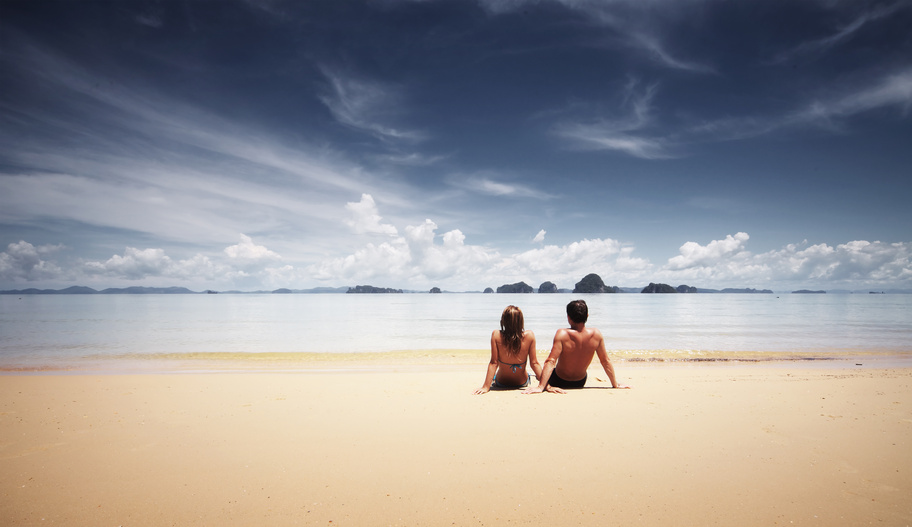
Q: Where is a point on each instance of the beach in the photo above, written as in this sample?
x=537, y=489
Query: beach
x=690, y=444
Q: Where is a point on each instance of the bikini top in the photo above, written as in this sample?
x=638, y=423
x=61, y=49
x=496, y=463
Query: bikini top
x=513, y=367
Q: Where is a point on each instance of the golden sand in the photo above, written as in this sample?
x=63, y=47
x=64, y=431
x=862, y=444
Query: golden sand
x=698, y=444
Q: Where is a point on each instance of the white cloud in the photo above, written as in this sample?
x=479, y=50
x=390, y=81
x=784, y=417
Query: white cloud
x=540, y=237
x=419, y=259
x=694, y=254
x=23, y=261
x=248, y=252
x=854, y=264
x=366, y=219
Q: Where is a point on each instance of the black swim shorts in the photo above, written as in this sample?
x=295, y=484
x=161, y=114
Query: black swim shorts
x=556, y=381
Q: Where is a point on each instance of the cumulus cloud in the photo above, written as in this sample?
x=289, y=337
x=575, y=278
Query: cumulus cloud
x=241, y=262
x=24, y=261
x=415, y=257
x=540, y=237
x=247, y=251
x=693, y=254
x=138, y=264
x=844, y=265
x=366, y=219
x=422, y=257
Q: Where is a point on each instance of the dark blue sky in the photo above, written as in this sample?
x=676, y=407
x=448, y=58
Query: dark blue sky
x=263, y=144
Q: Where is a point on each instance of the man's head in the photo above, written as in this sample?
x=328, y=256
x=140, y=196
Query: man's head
x=578, y=311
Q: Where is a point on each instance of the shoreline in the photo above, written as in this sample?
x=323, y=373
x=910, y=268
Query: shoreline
x=442, y=359
x=697, y=444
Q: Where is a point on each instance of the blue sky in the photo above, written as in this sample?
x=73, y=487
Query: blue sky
x=461, y=144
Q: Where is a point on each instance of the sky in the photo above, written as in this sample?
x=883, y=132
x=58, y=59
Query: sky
x=264, y=144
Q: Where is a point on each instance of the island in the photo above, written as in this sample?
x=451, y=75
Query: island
x=592, y=283
x=547, y=287
x=519, y=287
x=369, y=289
x=658, y=288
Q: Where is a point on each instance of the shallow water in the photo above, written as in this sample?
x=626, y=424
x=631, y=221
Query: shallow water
x=44, y=330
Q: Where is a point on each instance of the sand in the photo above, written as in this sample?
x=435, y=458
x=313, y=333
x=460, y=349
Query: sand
x=705, y=444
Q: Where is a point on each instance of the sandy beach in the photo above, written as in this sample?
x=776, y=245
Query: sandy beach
x=693, y=444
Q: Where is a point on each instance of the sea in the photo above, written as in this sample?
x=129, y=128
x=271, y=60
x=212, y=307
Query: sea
x=49, y=333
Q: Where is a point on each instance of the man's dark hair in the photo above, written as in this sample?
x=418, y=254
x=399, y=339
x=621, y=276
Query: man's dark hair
x=578, y=311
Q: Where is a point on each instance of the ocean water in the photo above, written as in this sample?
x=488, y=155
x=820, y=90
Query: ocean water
x=45, y=331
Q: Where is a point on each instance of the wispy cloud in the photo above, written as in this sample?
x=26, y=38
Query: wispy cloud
x=894, y=90
x=829, y=112
x=367, y=105
x=633, y=21
x=842, y=34
x=128, y=157
x=652, y=44
x=627, y=133
x=483, y=184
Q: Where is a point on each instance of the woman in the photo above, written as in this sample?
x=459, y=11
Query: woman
x=510, y=348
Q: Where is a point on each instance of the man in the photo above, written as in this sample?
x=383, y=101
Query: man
x=572, y=352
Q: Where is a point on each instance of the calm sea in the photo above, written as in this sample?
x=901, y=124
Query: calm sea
x=38, y=331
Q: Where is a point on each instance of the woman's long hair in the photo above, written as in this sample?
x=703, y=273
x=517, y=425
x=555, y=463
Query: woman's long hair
x=511, y=329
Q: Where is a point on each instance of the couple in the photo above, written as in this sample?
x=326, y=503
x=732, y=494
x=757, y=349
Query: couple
x=567, y=364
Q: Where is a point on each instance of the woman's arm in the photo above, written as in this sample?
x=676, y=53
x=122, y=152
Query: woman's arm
x=492, y=366
x=549, y=366
x=533, y=358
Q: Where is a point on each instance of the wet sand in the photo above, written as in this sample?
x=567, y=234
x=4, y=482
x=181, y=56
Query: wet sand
x=691, y=444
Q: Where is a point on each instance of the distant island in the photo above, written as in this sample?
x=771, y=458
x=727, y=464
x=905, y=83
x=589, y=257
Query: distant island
x=548, y=287
x=519, y=287
x=82, y=290
x=658, y=288
x=808, y=292
x=592, y=283
x=369, y=289
x=731, y=290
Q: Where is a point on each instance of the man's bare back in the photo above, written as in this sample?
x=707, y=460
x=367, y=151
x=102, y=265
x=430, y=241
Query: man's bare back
x=572, y=353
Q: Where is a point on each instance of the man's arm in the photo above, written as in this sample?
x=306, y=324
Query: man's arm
x=549, y=366
x=606, y=362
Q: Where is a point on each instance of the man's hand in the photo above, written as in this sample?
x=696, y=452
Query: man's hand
x=554, y=389
x=621, y=387
x=532, y=390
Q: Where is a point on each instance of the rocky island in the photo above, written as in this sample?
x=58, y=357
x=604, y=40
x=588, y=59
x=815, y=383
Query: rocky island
x=369, y=289
x=592, y=283
x=519, y=287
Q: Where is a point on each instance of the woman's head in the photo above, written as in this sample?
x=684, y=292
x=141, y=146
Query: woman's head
x=511, y=328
